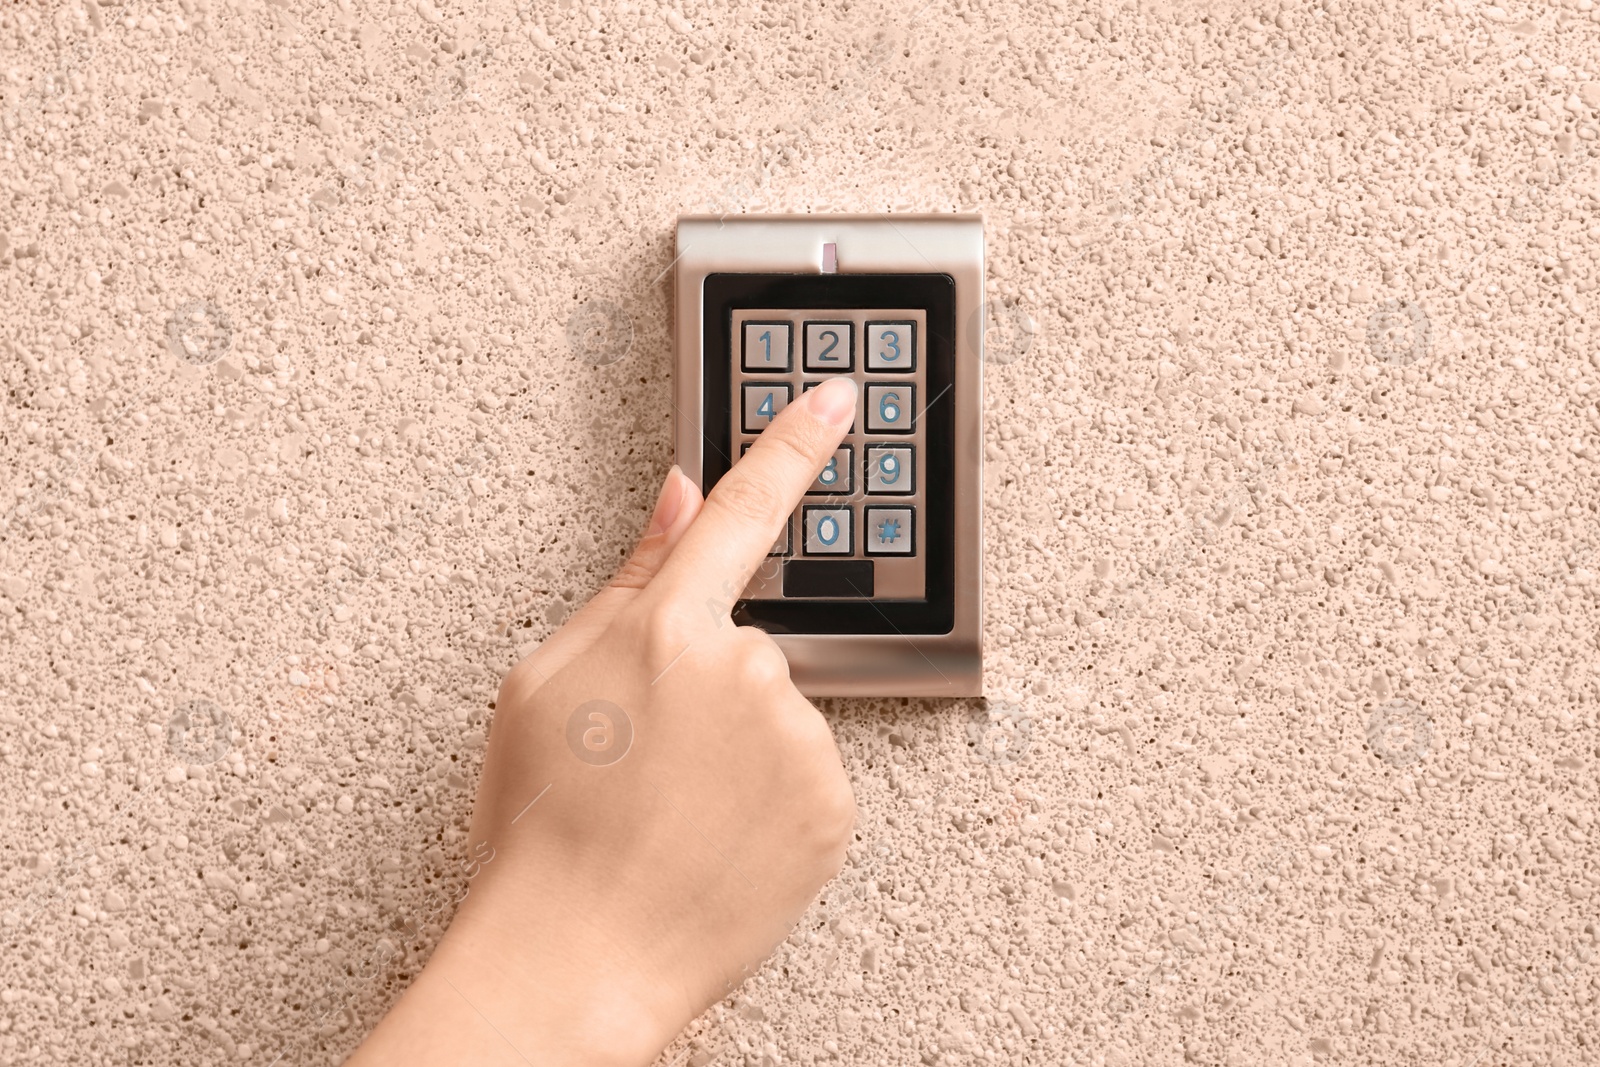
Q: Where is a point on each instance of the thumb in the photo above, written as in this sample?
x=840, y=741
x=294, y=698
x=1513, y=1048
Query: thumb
x=675, y=511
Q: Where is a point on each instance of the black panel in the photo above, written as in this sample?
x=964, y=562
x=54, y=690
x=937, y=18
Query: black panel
x=828, y=577
x=935, y=295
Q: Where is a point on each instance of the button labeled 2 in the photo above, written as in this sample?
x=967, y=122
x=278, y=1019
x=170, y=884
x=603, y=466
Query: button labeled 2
x=830, y=346
x=890, y=408
x=762, y=404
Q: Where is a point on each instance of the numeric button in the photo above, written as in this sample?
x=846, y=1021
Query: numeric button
x=768, y=347
x=838, y=477
x=891, y=470
x=891, y=347
x=827, y=531
x=830, y=346
x=762, y=404
x=891, y=408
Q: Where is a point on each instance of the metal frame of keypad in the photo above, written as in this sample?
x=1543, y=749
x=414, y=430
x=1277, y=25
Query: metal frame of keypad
x=888, y=644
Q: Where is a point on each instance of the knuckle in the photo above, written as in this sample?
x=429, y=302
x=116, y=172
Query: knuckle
x=761, y=662
x=519, y=681
x=837, y=813
x=832, y=821
x=659, y=631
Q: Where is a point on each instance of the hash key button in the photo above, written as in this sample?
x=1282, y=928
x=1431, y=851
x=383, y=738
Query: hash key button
x=890, y=531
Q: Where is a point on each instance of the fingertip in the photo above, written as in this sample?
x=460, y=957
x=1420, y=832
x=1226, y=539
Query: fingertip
x=834, y=401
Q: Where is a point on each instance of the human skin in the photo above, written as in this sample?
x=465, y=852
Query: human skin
x=612, y=903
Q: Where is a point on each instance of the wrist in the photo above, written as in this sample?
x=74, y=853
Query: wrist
x=505, y=987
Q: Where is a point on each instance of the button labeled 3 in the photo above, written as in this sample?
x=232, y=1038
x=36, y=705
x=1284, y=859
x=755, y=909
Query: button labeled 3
x=892, y=346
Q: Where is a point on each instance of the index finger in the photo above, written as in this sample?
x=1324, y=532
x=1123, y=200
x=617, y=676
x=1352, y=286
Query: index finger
x=746, y=510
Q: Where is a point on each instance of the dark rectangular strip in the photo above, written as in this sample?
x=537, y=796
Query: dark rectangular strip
x=828, y=577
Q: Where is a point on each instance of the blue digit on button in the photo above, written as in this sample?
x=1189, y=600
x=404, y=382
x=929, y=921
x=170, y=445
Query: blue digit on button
x=831, y=526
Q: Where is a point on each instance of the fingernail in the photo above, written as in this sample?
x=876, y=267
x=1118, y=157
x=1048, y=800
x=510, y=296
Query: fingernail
x=668, y=504
x=834, y=401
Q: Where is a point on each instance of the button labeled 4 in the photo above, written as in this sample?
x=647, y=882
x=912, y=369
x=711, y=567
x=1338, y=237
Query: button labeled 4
x=762, y=404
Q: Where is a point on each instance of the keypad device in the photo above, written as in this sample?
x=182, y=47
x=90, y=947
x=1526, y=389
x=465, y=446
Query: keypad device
x=874, y=585
x=879, y=348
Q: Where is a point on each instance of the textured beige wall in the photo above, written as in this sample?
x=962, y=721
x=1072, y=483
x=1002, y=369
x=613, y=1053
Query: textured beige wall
x=336, y=369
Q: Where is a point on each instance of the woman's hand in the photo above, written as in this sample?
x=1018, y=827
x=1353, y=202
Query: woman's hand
x=659, y=804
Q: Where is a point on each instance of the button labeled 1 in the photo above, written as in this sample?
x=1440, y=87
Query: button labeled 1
x=890, y=408
x=767, y=347
x=762, y=404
